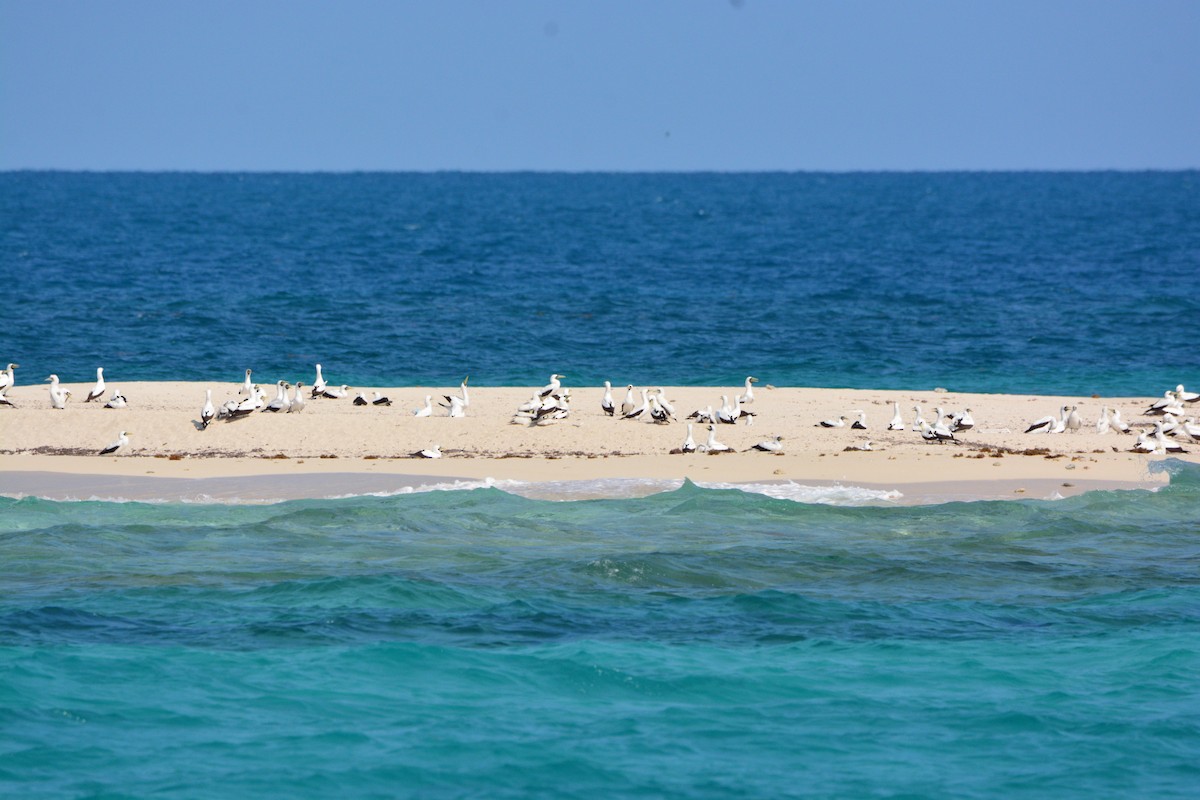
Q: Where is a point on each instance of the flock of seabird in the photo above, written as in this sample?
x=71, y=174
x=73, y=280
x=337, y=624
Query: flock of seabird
x=1171, y=409
x=553, y=403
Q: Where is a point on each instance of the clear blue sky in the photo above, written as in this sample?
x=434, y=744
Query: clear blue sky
x=599, y=85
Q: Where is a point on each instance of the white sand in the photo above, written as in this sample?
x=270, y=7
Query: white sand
x=335, y=437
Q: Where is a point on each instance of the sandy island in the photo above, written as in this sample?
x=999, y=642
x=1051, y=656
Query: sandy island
x=335, y=448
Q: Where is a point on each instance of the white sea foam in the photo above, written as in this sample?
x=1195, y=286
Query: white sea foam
x=617, y=488
x=558, y=491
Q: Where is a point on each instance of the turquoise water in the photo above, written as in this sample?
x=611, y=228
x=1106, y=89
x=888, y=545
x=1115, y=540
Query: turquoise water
x=691, y=643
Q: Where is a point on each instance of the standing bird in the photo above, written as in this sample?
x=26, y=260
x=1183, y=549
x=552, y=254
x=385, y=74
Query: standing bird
x=1118, y=424
x=1074, y=422
x=637, y=412
x=606, y=402
x=247, y=384
x=689, y=444
x=113, y=447
x=425, y=410
x=1103, y=426
x=860, y=424
x=297, y=400
x=627, y=404
x=280, y=403
x=667, y=407
x=748, y=397
x=466, y=398
x=7, y=379
x=97, y=391
x=318, y=387
x=897, y=423
x=207, y=412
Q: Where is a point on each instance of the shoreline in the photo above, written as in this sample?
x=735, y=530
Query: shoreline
x=40, y=445
x=274, y=487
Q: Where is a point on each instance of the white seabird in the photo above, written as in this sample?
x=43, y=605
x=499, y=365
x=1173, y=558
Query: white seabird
x=457, y=405
x=1050, y=424
x=689, y=444
x=627, y=404
x=4, y=401
x=662, y=401
x=1145, y=443
x=1184, y=397
x=429, y=452
x=117, y=400
x=897, y=423
x=336, y=394
x=380, y=400
x=553, y=386
x=712, y=445
x=360, y=399
x=861, y=447
x=112, y=447
x=1169, y=398
x=462, y=387
x=7, y=379
x=840, y=422
x=637, y=412
x=962, y=421
x=1118, y=424
x=860, y=424
x=453, y=405
x=318, y=387
x=748, y=396
x=657, y=412
x=58, y=395
x=425, y=410
x=280, y=403
x=1074, y=422
x=97, y=391
x=770, y=445
x=938, y=434
x=296, y=404
x=1103, y=426
x=918, y=420
x=1161, y=439
x=1190, y=428
x=247, y=385
x=529, y=406
x=730, y=414
x=207, y=412
x=606, y=402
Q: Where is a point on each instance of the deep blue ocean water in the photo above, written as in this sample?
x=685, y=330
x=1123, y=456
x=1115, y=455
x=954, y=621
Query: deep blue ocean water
x=1014, y=282
x=693, y=643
